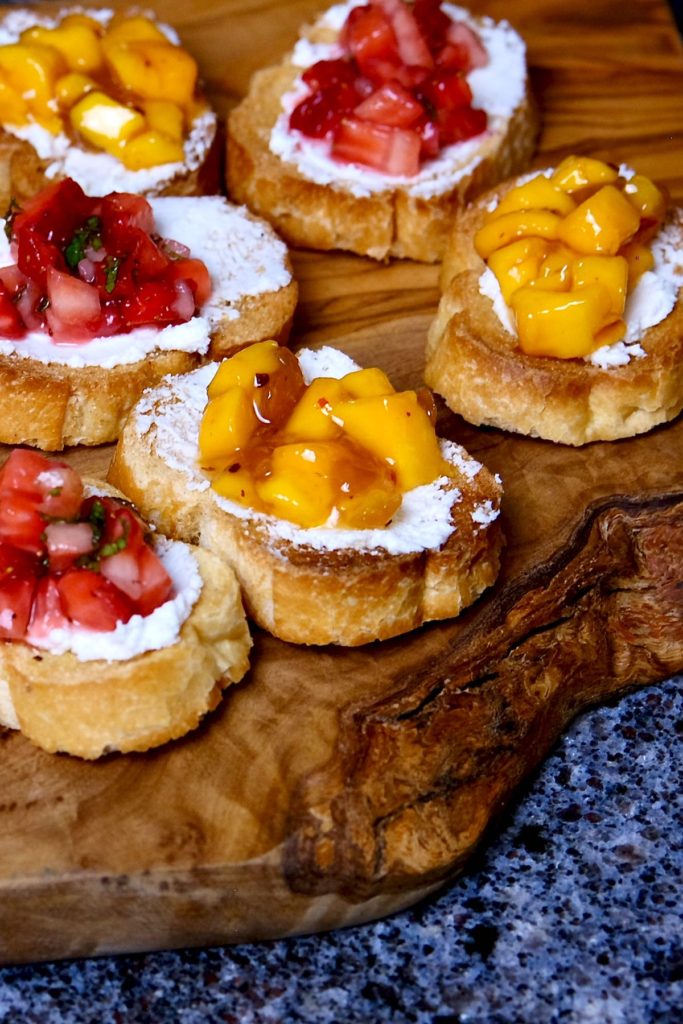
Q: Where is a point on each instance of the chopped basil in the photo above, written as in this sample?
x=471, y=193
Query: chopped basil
x=114, y=547
x=55, y=492
x=111, y=273
x=88, y=235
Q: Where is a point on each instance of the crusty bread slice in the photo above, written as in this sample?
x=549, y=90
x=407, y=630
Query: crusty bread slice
x=23, y=171
x=475, y=364
x=51, y=404
x=310, y=586
x=393, y=222
x=91, y=708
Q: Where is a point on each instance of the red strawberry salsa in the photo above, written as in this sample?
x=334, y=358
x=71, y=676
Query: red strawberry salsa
x=74, y=566
x=390, y=86
x=87, y=267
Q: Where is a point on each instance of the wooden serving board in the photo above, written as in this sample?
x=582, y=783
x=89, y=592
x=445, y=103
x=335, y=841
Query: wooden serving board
x=336, y=786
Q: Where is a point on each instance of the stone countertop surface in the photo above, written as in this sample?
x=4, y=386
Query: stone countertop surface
x=571, y=913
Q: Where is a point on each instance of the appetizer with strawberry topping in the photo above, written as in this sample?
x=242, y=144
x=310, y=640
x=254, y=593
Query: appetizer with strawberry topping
x=85, y=584
x=101, y=296
x=385, y=117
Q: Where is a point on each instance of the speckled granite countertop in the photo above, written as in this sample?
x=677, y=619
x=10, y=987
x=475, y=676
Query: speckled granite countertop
x=572, y=913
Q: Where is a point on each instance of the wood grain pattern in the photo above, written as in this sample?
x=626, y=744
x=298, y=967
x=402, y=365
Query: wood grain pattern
x=336, y=786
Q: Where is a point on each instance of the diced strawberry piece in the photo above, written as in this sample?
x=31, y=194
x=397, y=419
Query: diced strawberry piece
x=16, y=598
x=13, y=280
x=54, y=213
x=325, y=73
x=153, y=304
x=21, y=524
x=445, y=90
x=460, y=35
x=460, y=124
x=15, y=562
x=432, y=22
x=124, y=210
x=394, y=151
x=27, y=307
x=11, y=325
x=140, y=576
x=412, y=46
x=91, y=600
x=66, y=542
x=74, y=310
x=367, y=35
x=391, y=105
x=121, y=524
x=429, y=138
x=35, y=256
x=453, y=58
x=47, y=613
x=61, y=491
x=319, y=114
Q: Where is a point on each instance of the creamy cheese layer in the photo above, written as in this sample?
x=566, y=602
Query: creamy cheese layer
x=243, y=255
x=97, y=172
x=498, y=88
x=170, y=414
x=650, y=302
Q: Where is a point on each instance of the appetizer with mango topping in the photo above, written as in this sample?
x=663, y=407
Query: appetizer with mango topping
x=97, y=82
x=561, y=314
x=344, y=516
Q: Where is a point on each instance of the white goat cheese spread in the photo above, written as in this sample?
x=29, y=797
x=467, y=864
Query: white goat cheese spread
x=498, y=88
x=242, y=254
x=650, y=302
x=170, y=415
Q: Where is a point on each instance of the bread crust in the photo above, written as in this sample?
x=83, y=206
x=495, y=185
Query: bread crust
x=390, y=223
x=91, y=708
x=310, y=596
x=477, y=367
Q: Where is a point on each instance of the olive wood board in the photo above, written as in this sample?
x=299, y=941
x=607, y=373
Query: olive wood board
x=335, y=786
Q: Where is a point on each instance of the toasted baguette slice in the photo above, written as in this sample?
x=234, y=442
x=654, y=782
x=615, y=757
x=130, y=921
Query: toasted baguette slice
x=91, y=708
x=475, y=364
x=51, y=404
x=31, y=158
x=392, y=217
x=315, y=586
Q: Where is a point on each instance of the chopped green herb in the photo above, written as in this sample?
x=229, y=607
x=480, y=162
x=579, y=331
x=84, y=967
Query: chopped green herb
x=89, y=235
x=111, y=273
x=55, y=492
x=114, y=547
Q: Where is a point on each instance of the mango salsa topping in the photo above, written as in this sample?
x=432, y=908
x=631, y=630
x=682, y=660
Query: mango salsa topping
x=567, y=250
x=338, y=452
x=124, y=88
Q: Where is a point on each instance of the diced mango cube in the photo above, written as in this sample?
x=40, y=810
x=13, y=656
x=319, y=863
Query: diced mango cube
x=227, y=424
x=70, y=88
x=368, y=382
x=501, y=231
x=153, y=70
x=133, y=28
x=299, y=487
x=538, y=194
x=150, y=149
x=609, y=271
x=639, y=259
x=577, y=172
x=104, y=122
x=517, y=263
x=164, y=116
x=646, y=198
x=560, y=324
x=311, y=417
x=236, y=484
x=397, y=429
x=31, y=71
x=370, y=508
x=13, y=109
x=79, y=45
x=610, y=334
x=555, y=272
x=239, y=370
x=601, y=224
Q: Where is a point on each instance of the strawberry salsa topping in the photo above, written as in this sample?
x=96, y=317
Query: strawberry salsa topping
x=93, y=267
x=399, y=94
x=67, y=559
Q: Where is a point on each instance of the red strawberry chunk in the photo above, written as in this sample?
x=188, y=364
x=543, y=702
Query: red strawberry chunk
x=460, y=124
x=11, y=325
x=412, y=46
x=368, y=35
x=467, y=43
x=446, y=89
x=392, y=105
x=394, y=151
